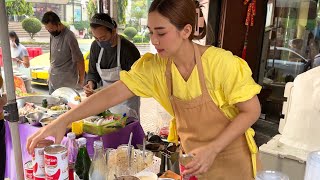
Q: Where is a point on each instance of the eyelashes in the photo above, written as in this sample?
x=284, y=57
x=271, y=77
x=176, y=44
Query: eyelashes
x=159, y=34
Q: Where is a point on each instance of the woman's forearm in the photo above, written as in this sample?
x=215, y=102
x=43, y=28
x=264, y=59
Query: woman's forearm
x=26, y=61
x=98, y=102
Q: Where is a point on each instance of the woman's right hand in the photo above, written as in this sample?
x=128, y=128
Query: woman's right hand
x=56, y=129
x=88, y=88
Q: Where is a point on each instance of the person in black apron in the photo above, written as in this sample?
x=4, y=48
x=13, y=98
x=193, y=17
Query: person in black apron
x=109, y=54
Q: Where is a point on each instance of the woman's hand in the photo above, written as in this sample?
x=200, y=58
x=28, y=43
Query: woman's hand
x=56, y=129
x=16, y=60
x=88, y=88
x=203, y=159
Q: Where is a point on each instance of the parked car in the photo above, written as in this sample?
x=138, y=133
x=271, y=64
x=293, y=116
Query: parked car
x=40, y=65
x=284, y=68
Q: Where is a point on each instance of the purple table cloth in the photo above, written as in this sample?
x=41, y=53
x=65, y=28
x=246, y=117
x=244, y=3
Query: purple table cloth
x=112, y=140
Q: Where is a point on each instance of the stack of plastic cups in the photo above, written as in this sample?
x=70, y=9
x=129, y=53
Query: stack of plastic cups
x=271, y=175
x=313, y=166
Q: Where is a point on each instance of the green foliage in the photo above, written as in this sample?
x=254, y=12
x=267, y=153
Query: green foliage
x=130, y=32
x=311, y=24
x=139, y=9
x=19, y=8
x=141, y=39
x=122, y=5
x=146, y=39
x=31, y=25
x=34, y=43
x=133, y=23
x=81, y=25
x=125, y=36
x=91, y=8
x=66, y=24
x=137, y=39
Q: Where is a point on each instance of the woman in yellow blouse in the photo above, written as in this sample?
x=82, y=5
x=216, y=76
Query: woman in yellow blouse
x=209, y=91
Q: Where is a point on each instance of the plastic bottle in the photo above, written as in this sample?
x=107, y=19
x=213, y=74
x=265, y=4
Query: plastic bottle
x=83, y=161
x=72, y=147
x=98, y=168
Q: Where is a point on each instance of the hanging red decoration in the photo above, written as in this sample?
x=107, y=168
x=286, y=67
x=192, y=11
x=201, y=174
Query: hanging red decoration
x=251, y=13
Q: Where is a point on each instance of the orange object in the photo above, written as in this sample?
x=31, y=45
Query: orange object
x=19, y=85
x=170, y=174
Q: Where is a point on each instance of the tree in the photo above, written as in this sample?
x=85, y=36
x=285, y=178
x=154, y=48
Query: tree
x=81, y=25
x=92, y=8
x=130, y=32
x=19, y=8
x=122, y=5
x=139, y=9
x=32, y=26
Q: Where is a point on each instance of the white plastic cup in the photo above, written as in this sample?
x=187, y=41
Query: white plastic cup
x=271, y=175
x=313, y=166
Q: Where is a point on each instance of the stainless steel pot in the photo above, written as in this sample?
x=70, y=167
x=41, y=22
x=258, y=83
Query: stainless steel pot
x=37, y=100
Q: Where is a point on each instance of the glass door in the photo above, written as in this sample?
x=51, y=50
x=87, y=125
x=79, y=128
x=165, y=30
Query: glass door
x=292, y=48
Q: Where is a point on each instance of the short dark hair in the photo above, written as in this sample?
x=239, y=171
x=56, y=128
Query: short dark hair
x=50, y=17
x=13, y=34
x=105, y=17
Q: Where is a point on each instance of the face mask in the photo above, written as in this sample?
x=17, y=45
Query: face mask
x=13, y=44
x=104, y=44
x=55, y=33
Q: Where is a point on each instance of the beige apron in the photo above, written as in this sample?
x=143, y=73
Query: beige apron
x=199, y=121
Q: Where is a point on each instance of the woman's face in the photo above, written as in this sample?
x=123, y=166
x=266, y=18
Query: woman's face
x=101, y=34
x=164, y=36
x=13, y=42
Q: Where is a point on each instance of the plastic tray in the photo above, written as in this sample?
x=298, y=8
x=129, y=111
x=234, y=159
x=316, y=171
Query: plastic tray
x=105, y=128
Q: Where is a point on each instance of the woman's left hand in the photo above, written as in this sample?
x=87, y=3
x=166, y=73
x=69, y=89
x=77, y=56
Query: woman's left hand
x=202, y=160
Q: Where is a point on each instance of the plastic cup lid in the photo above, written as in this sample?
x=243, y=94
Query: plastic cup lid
x=271, y=175
x=82, y=141
x=97, y=143
x=71, y=135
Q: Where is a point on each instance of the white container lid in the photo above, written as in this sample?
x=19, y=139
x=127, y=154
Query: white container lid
x=82, y=141
x=98, y=143
x=71, y=135
x=271, y=175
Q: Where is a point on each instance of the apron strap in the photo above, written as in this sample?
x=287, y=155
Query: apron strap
x=169, y=77
x=200, y=70
x=100, y=55
x=118, y=52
